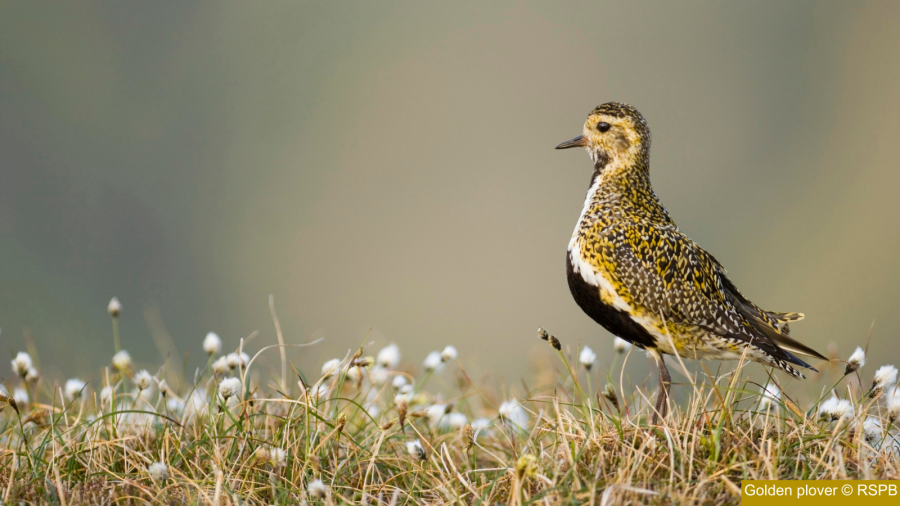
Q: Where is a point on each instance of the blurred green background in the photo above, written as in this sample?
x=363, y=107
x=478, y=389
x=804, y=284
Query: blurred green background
x=391, y=165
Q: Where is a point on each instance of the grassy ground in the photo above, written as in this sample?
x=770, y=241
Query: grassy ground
x=357, y=435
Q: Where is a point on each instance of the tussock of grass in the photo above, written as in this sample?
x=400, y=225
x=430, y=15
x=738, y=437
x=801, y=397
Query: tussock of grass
x=349, y=438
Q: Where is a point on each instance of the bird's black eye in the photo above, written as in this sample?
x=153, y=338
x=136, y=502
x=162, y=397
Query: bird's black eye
x=603, y=126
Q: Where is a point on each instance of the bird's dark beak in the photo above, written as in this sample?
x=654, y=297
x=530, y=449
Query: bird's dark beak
x=577, y=142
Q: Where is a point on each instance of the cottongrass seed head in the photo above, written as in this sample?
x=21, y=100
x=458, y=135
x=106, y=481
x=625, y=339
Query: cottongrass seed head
x=33, y=375
x=114, y=307
x=621, y=345
x=771, y=394
x=331, y=367
x=380, y=375
x=399, y=381
x=163, y=387
x=229, y=387
x=436, y=413
x=121, y=361
x=236, y=360
x=20, y=395
x=317, y=489
x=416, y=450
x=856, y=360
x=279, y=457
x=836, y=409
x=389, y=356
x=454, y=420
x=159, y=471
x=512, y=411
x=872, y=431
x=354, y=374
x=893, y=405
x=220, y=365
x=143, y=380
x=433, y=362
x=106, y=395
x=73, y=388
x=885, y=377
x=21, y=364
x=212, y=343
x=587, y=358
x=449, y=353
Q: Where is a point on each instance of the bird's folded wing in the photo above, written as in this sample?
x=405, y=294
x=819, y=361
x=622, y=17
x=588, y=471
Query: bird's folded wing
x=663, y=271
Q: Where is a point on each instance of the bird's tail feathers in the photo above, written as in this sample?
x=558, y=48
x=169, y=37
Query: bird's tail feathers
x=785, y=317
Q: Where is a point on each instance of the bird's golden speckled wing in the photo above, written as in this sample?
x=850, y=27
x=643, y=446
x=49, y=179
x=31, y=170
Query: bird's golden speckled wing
x=661, y=270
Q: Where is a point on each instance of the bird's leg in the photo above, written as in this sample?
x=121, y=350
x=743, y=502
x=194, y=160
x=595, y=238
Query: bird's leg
x=662, y=396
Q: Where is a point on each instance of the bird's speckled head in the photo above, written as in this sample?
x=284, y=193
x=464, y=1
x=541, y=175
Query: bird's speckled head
x=614, y=134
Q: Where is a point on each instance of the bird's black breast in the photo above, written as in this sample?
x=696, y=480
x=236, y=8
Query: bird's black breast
x=618, y=322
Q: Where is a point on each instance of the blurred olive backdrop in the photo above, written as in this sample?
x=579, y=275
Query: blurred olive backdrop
x=391, y=165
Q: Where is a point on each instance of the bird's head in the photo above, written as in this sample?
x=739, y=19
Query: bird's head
x=614, y=134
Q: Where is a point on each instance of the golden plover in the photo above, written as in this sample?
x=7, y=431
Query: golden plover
x=637, y=275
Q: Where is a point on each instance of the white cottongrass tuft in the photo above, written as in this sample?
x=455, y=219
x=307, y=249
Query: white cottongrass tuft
x=885, y=377
x=220, y=365
x=399, y=381
x=836, y=409
x=828, y=406
x=20, y=395
x=33, y=375
x=74, y=388
x=481, y=424
x=159, y=471
x=856, y=360
x=114, y=307
x=449, y=353
x=512, y=411
x=121, y=361
x=402, y=399
x=379, y=375
x=279, y=457
x=435, y=413
x=433, y=362
x=196, y=405
x=143, y=380
x=771, y=394
x=317, y=490
x=236, y=360
x=454, y=420
x=331, y=367
x=893, y=406
x=872, y=431
x=21, y=364
x=229, y=387
x=318, y=393
x=621, y=345
x=175, y=406
x=416, y=450
x=106, y=395
x=389, y=356
x=587, y=358
x=354, y=374
x=163, y=386
x=212, y=344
